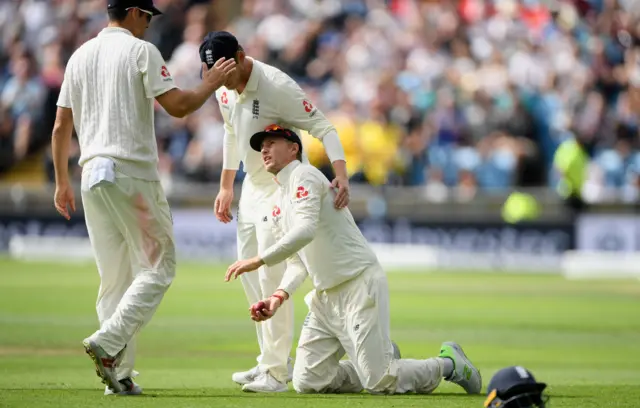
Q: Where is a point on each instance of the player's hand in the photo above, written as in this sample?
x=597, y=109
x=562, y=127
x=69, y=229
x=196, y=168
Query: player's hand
x=64, y=199
x=219, y=72
x=240, y=267
x=342, y=196
x=222, y=206
x=264, y=309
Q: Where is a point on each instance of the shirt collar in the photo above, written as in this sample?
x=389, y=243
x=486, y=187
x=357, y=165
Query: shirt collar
x=282, y=178
x=254, y=77
x=108, y=30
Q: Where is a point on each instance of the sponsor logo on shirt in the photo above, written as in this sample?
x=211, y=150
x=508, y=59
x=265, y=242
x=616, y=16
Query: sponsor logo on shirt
x=224, y=98
x=302, y=194
x=309, y=108
x=276, y=211
x=164, y=72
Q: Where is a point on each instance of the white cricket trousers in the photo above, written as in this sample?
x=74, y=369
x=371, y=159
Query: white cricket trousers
x=131, y=233
x=255, y=234
x=353, y=318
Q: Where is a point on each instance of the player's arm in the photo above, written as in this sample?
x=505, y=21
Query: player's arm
x=159, y=84
x=306, y=208
x=230, y=166
x=294, y=276
x=60, y=144
x=296, y=109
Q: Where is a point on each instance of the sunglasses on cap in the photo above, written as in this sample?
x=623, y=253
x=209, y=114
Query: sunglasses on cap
x=277, y=128
x=148, y=13
x=256, y=140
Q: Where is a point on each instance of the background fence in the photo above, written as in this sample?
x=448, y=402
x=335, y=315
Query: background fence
x=407, y=232
x=462, y=121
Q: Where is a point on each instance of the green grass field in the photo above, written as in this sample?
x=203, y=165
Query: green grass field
x=582, y=338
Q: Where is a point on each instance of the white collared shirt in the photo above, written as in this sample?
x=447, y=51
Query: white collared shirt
x=313, y=236
x=270, y=97
x=110, y=84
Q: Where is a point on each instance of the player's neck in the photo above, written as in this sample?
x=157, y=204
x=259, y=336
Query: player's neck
x=246, y=74
x=118, y=24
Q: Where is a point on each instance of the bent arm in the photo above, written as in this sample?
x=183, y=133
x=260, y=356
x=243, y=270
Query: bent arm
x=294, y=276
x=158, y=83
x=301, y=113
x=306, y=214
x=180, y=103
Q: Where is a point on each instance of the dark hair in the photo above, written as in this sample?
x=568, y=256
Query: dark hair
x=117, y=15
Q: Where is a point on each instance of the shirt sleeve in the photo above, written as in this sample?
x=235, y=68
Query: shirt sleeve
x=156, y=77
x=294, y=275
x=230, y=155
x=296, y=109
x=307, y=199
x=64, y=99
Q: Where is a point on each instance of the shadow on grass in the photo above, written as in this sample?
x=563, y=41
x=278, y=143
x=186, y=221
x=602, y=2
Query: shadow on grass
x=293, y=395
x=213, y=394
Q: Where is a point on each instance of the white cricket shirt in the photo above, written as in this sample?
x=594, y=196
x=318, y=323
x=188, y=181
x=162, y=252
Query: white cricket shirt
x=270, y=97
x=313, y=236
x=110, y=84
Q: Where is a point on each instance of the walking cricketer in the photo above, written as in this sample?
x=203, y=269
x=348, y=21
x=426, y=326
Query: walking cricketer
x=349, y=306
x=255, y=96
x=108, y=94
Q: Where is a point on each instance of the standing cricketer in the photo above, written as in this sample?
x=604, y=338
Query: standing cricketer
x=349, y=307
x=256, y=96
x=108, y=94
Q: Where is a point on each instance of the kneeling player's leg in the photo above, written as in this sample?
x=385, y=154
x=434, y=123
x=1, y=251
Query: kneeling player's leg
x=141, y=212
x=318, y=368
x=277, y=332
x=367, y=342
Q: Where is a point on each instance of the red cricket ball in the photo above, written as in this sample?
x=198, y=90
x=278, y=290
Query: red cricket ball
x=258, y=307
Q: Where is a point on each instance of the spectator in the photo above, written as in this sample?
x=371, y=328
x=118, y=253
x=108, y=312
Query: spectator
x=423, y=93
x=22, y=97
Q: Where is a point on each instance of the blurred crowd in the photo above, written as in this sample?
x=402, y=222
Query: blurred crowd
x=476, y=94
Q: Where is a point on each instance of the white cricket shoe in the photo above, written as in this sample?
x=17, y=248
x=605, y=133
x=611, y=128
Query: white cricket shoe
x=265, y=382
x=129, y=387
x=105, y=364
x=465, y=374
x=246, y=377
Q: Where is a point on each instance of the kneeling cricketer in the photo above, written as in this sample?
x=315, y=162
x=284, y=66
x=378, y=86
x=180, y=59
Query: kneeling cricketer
x=349, y=306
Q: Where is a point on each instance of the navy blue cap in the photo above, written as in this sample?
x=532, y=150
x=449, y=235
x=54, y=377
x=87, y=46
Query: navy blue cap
x=512, y=381
x=273, y=130
x=216, y=45
x=146, y=5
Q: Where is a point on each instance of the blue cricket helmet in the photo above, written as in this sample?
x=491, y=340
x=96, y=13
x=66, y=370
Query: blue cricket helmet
x=515, y=387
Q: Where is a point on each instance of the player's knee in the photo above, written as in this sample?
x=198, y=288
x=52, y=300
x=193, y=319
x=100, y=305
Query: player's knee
x=303, y=387
x=380, y=382
x=309, y=384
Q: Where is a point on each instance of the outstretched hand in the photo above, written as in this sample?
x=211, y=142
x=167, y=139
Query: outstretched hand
x=242, y=266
